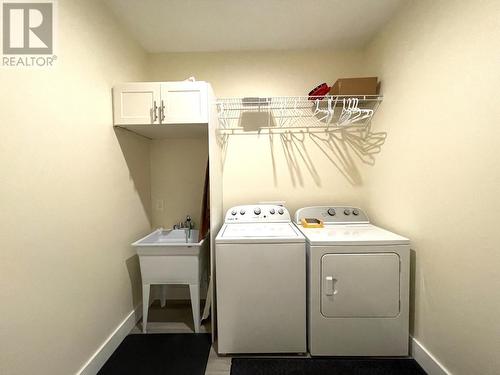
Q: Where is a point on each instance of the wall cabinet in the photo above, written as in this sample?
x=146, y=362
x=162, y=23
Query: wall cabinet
x=136, y=103
x=161, y=105
x=184, y=103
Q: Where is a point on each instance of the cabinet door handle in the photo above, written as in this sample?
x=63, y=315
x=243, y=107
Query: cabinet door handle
x=162, y=111
x=154, y=114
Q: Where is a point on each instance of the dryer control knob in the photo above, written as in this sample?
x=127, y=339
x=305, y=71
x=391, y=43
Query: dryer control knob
x=242, y=212
x=256, y=211
x=355, y=212
x=331, y=211
x=272, y=211
x=233, y=212
x=280, y=211
x=347, y=211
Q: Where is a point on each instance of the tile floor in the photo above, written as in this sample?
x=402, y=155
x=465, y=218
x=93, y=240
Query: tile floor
x=218, y=365
x=175, y=317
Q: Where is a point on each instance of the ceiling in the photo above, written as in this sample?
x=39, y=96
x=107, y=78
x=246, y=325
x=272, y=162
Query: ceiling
x=235, y=25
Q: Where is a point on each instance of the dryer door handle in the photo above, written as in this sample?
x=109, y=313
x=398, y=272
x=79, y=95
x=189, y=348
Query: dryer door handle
x=330, y=286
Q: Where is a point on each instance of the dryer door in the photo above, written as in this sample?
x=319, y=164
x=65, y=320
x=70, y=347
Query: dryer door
x=360, y=285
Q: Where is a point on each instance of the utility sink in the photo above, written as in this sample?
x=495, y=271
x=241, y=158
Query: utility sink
x=169, y=242
x=171, y=257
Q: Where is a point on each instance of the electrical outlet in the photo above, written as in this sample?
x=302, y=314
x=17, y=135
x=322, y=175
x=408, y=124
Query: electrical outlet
x=160, y=204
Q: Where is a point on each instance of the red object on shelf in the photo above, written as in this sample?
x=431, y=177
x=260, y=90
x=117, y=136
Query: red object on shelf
x=319, y=91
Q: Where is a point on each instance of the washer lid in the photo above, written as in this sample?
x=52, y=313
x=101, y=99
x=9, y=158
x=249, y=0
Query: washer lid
x=259, y=232
x=352, y=234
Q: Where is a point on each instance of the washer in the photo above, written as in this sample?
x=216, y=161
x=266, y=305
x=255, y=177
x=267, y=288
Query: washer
x=260, y=278
x=358, y=285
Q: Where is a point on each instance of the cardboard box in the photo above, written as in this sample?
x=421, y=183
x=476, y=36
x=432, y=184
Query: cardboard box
x=355, y=86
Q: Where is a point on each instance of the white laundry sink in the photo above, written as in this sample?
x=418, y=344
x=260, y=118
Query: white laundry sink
x=169, y=242
x=168, y=257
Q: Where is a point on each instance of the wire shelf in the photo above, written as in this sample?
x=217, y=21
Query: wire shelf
x=295, y=113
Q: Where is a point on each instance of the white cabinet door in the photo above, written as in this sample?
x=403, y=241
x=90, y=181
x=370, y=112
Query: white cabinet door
x=184, y=103
x=360, y=285
x=137, y=103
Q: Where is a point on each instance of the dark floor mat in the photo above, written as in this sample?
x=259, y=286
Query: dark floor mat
x=325, y=366
x=160, y=354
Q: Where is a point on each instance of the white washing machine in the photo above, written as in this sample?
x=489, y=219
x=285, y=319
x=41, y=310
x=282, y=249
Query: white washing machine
x=260, y=278
x=358, y=284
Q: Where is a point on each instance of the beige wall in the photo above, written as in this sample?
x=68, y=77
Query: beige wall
x=177, y=179
x=256, y=73
x=438, y=177
x=300, y=171
x=73, y=195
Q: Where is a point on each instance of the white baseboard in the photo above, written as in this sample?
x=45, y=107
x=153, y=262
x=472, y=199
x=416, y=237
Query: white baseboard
x=107, y=348
x=426, y=360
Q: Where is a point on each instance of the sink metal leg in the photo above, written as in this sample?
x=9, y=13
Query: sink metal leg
x=194, y=290
x=145, y=306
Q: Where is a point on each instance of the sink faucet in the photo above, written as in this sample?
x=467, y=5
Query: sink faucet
x=187, y=225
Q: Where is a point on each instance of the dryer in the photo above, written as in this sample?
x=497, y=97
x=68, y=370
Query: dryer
x=358, y=285
x=260, y=261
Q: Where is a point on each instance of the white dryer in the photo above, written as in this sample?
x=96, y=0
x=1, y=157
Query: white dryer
x=260, y=261
x=358, y=285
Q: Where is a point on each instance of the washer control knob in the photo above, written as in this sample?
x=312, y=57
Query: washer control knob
x=256, y=211
x=272, y=211
x=355, y=212
x=347, y=211
x=242, y=212
x=234, y=212
x=281, y=211
x=331, y=211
